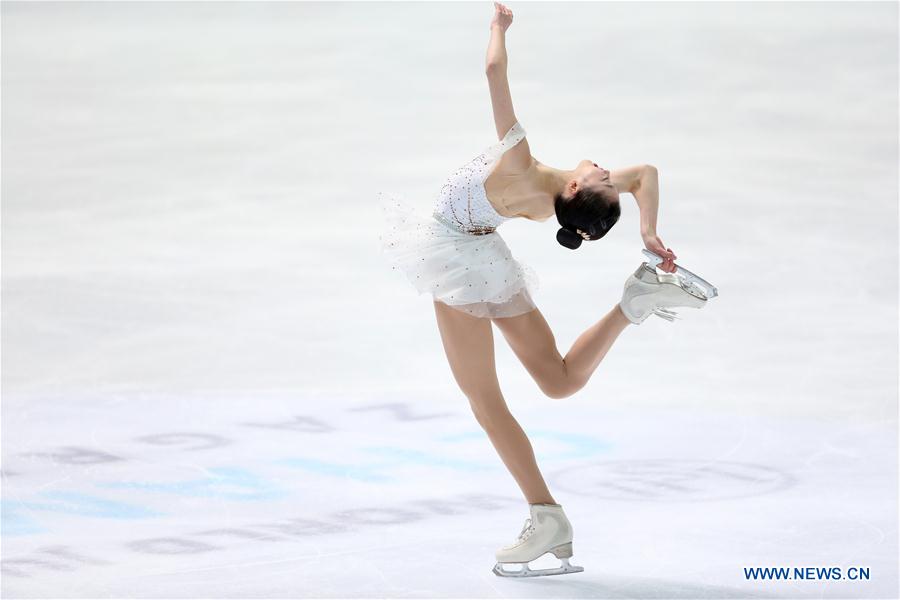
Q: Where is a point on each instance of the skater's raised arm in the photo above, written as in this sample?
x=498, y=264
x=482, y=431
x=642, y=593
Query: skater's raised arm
x=647, y=196
x=496, y=52
x=646, y=193
x=642, y=182
x=519, y=156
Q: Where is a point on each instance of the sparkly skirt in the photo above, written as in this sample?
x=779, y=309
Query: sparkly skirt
x=476, y=274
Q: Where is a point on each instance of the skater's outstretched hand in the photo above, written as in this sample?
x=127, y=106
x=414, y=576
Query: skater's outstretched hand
x=654, y=244
x=502, y=17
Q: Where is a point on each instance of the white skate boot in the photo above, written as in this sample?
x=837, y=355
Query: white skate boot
x=548, y=530
x=687, y=279
x=648, y=292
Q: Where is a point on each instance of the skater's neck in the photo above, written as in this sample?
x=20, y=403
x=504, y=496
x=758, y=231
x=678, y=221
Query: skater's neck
x=553, y=181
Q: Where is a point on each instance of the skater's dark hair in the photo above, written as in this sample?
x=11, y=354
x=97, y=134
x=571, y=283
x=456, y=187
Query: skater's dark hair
x=586, y=215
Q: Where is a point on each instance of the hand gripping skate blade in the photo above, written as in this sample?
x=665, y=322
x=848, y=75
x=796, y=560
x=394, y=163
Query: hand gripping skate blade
x=703, y=286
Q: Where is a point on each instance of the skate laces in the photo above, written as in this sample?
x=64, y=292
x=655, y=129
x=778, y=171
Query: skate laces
x=526, y=530
x=668, y=315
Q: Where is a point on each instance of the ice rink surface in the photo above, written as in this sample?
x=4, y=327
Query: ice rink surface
x=214, y=386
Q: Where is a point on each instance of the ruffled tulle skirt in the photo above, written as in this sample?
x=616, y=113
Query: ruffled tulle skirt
x=476, y=274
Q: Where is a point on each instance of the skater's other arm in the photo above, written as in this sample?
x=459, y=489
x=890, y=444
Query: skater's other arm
x=641, y=181
x=518, y=158
x=647, y=196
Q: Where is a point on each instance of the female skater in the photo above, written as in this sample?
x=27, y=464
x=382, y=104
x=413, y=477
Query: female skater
x=458, y=257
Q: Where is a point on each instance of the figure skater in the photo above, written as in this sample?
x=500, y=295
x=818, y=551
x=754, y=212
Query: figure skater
x=458, y=257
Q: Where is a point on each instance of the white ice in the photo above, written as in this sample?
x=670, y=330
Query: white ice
x=214, y=386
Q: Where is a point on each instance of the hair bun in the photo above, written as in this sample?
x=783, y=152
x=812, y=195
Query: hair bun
x=568, y=238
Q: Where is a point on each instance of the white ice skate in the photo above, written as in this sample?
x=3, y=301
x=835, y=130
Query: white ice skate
x=548, y=530
x=691, y=280
x=648, y=292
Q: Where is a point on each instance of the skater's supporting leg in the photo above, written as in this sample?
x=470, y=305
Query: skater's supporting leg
x=469, y=344
x=532, y=340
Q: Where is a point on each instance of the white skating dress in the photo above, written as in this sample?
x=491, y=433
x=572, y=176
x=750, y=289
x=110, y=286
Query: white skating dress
x=456, y=253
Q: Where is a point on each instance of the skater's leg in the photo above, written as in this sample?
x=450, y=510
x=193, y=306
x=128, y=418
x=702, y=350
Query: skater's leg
x=469, y=344
x=591, y=346
x=532, y=340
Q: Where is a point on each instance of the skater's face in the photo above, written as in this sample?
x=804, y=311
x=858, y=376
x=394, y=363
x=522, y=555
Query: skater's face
x=595, y=178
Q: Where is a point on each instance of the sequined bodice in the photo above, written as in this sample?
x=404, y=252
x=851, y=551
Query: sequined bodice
x=462, y=203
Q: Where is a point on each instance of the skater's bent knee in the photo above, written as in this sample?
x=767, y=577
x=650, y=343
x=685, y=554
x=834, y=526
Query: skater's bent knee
x=555, y=392
x=562, y=388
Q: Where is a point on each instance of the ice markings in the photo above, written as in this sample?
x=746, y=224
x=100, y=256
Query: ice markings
x=231, y=483
x=85, y=505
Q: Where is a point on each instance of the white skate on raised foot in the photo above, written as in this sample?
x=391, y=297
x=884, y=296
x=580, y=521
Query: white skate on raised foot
x=650, y=293
x=548, y=530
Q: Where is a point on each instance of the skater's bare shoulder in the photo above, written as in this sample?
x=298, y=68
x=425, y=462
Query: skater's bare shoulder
x=628, y=179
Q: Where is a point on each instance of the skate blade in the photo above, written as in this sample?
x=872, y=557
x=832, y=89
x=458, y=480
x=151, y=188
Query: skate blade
x=648, y=274
x=691, y=280
x=564, y=569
